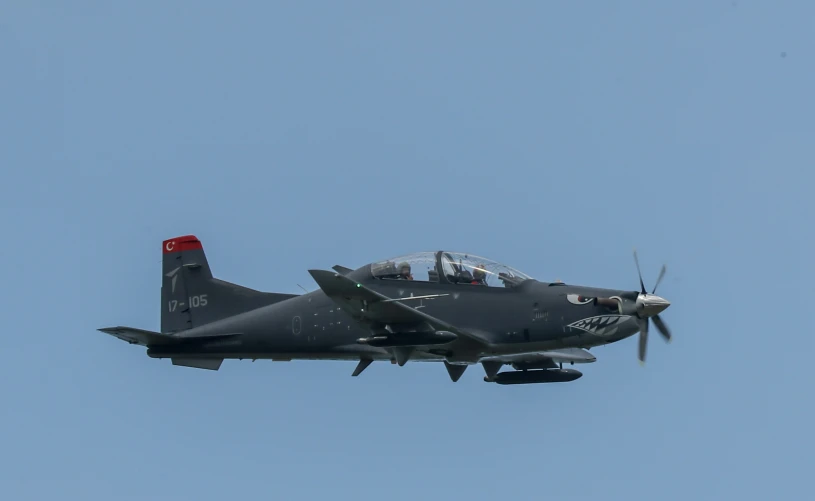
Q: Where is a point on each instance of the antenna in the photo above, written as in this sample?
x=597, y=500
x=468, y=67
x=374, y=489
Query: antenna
x=298, y=285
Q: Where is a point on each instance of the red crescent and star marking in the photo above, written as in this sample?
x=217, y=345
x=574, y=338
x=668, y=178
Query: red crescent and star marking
x=181, y=244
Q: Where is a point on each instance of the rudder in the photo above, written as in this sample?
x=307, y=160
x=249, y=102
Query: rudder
x=191, y=296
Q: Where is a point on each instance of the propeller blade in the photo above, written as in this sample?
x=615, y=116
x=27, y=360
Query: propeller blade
x=643, y=338
x=659, y=279
x=637, y=262
x=643, y=322
x=662, y=328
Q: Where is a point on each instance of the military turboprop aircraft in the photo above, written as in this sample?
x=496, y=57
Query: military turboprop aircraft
x=440, y=306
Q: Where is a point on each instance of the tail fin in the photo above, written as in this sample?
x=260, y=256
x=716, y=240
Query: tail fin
x=191, y=297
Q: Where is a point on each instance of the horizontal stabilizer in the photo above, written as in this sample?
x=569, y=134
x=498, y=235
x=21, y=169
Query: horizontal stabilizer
x=140, y=336
x=149, y=338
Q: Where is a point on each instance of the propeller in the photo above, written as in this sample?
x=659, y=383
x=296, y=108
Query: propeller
x=648, y=307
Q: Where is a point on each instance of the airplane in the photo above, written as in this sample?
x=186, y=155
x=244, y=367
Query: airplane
x=438, y=306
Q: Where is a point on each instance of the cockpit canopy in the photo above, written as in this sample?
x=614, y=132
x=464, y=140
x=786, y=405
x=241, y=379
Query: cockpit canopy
x=448, y=267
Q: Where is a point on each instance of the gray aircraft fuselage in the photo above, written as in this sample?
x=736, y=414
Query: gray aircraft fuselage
x=533, y=317
x=367, y=314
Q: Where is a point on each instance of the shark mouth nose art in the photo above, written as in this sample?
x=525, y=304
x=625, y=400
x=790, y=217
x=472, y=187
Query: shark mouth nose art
x=602, y=325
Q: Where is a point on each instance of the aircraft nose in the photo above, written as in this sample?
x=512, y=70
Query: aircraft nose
x=653, y=304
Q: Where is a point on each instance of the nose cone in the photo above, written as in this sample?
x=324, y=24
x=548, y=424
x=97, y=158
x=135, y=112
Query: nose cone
x=651, y=304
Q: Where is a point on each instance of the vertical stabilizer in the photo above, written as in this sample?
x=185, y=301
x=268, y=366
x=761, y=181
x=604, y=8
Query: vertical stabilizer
x=191, y=296
x=184, y=262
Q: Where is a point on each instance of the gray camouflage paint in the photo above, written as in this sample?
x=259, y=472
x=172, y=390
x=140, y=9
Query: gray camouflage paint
x=531, y=325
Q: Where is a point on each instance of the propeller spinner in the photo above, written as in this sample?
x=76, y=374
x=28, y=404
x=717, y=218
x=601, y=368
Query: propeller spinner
x=648, y=307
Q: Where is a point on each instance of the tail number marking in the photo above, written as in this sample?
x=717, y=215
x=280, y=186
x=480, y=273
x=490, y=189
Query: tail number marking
x=194, y=302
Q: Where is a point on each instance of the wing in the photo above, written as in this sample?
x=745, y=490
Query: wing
x=377, y=310
x=544, y=359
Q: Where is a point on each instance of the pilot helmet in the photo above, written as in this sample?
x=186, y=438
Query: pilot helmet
x=478, y=272
x=404, y=267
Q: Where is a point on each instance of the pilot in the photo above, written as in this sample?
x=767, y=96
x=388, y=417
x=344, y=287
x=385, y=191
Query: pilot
x=479, y=275
x=404, y=271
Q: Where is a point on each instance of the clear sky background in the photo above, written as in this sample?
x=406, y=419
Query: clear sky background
x=551, y=136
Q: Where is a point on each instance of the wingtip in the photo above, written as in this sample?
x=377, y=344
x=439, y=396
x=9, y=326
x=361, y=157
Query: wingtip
x=317, y=274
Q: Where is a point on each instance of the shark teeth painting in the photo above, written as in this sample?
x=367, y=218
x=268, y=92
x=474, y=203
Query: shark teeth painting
x=602, y=325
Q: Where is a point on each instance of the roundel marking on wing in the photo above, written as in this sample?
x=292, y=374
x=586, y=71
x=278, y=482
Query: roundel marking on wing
x=577, y=299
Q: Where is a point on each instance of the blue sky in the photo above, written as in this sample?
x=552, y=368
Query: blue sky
x=297, y=135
